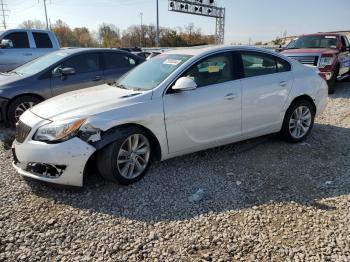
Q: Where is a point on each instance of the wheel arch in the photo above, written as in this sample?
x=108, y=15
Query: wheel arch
x=23, y=95
x=111, y=135
x=304, y=97
x=11, y=100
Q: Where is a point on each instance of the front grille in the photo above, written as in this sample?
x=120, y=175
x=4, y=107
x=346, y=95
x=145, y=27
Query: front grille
x=22, y=131
x=308, y=60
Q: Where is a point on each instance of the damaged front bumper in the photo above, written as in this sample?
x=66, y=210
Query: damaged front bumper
x=61, y=163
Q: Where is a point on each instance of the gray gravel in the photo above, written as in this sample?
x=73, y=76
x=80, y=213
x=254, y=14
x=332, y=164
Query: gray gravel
x=261, y=200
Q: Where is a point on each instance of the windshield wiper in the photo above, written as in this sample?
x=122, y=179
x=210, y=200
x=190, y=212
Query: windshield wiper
x=15, y=72
x=119, y=85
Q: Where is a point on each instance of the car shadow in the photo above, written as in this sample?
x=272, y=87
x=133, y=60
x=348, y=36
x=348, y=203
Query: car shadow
x=342, y=90
x=7, y=135
x=233, y=177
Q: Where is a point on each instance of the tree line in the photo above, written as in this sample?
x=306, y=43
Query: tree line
x=110, y=36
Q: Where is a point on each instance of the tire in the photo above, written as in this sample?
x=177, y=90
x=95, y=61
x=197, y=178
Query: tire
x=109, y=156
x=18, y=106
x=332, y=82
x=288, y=133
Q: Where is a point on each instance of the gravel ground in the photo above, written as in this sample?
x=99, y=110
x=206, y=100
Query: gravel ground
x=260, y=200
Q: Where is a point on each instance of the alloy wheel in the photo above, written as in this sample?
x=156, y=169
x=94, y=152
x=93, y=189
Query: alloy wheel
x=21, y=108
x=133, y=156
x=300, y=122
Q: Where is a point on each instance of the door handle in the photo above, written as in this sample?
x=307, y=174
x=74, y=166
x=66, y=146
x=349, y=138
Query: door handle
x=97, y=78
x=230, y=96
x=283, y=83
x=27, y=54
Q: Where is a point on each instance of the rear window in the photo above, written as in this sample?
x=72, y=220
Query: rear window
x=42, y=40
x=116, y=60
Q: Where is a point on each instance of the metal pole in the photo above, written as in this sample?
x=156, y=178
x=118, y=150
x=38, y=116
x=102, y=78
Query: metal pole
x=141, y=30
x=3, y=14
x=47, y=22
x=157, y=39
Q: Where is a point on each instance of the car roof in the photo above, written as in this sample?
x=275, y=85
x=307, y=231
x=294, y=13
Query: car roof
x=74, y=50
x=203, y=50
x=320, y=34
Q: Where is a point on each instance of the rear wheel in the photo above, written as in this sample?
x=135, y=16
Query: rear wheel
x=127, y=159
x=18, y=106
x=298, y=121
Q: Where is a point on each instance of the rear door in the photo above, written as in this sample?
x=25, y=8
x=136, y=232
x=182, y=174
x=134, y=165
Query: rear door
x=265, y=88
x=88, y=72
x=116, y=64
x=344, y=57
x=20, y=53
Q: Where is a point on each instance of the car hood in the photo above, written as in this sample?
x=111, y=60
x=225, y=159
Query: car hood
x=309, y=51
x=88, y=102
x=6, y=79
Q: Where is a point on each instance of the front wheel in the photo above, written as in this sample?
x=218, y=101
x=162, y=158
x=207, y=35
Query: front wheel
x=19, y=105
x=127, y=159
x=298, y=121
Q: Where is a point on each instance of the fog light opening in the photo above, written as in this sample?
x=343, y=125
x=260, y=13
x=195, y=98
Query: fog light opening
x=46, y=170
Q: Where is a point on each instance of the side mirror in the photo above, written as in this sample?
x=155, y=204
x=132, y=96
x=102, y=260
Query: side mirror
x=67, y=71
x=6, y=43
x=184, y=84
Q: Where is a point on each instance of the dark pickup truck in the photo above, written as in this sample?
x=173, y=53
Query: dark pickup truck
x=329, y=52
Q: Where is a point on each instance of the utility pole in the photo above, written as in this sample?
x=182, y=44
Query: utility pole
x=3, y=14
x=157, y=38
x=47, y=21
x=141, y=30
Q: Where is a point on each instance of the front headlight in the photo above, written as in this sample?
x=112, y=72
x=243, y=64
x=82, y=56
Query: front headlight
x=59, y=131
x=326, y=61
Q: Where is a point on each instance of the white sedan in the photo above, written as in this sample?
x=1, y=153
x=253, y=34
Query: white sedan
x=179, y=102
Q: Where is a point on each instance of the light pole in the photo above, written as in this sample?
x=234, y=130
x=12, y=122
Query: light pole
x=47, y=22
x=141, y=30
x=157, y=38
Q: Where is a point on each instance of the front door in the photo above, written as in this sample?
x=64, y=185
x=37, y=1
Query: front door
x=209, y=114
x=88, y=73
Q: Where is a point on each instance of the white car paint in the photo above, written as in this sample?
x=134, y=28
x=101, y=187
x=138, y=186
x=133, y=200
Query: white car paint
x=182, y=122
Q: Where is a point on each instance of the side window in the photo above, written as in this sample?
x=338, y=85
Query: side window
x=213, y=70
x=282, y=65
x=258, y=64
x=344, y=41
x=42, y=40
x=83, y=63
x=347, y=44
x=115, y=60
x=19, y=39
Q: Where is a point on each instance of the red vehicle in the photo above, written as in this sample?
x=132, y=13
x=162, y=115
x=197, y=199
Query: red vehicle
x=330, y=52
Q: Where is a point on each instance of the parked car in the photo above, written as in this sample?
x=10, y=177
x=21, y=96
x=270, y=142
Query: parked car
x=166, y=107
x=153, y=54
x=18, y=46
x=59, y=72
x=143, y=54
x=131, y=49
x=330, y=53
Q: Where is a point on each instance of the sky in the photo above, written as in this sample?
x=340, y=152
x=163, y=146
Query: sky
x=246, y=20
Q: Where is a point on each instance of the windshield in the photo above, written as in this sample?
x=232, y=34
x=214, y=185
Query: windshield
x=316, y=41
x=41, y=63
x=150, y=74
